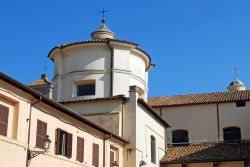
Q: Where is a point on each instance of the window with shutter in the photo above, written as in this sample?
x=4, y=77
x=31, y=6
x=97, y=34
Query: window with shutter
x=57, y=142
x=4, y=116
x=80, y=149
x=95, y=155
x=69, y=145
x=63, y=143
x=112, y=158
x=41, y=133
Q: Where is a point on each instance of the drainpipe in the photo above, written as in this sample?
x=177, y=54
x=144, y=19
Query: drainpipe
x=104, y=148
x=111, y=68
x=29, y=119
x=123, y=102
x=218, y=122
x=160, y=112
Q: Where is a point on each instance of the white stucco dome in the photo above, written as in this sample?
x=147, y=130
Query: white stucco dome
x=236, y=85
x=110, y=66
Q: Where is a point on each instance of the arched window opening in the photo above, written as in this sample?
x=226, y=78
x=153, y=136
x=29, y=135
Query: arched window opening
x=180, y=137
x=232, y=135
x=153, y=149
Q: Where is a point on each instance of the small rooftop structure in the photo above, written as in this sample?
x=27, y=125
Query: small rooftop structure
x=236, y=85
x=103, y=32
x=43, y=86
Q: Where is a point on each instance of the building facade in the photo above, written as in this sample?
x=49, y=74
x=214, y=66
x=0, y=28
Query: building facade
x=207, y=128
x=27, y=117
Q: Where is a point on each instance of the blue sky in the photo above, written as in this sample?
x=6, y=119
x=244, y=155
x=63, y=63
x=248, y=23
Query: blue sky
x=194, y=43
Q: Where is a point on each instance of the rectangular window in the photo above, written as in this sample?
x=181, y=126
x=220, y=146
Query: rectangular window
x=153, y=149
x=4, y=116
x=95, y=155
x=41, y=132
x=63, y=143
x=80, y=149
x=86, y=88
x=241, y=103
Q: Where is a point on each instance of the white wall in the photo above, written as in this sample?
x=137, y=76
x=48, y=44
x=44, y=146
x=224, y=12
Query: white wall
x=139, y=125
x=146, y=126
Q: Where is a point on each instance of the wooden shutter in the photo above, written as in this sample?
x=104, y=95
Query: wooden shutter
x=41, y=132
x=112, y=158
x=95, y=155
x=57, y=141
x=69, y=145
x=4, y=116
x=80, y=149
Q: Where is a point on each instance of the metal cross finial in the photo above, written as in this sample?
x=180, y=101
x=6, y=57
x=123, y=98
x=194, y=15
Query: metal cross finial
x=103, y=14
x=234, y=70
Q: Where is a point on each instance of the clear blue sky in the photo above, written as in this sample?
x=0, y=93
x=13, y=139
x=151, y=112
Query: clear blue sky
x=194, y=43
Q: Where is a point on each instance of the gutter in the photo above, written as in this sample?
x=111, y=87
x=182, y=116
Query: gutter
x=111, y=68
x=218, y=121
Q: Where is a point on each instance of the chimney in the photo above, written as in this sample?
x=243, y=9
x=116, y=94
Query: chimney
x=133, y=93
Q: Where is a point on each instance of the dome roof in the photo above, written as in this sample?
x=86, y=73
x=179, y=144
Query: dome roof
x=236, y=85
x=236, y=82
x=103, y=32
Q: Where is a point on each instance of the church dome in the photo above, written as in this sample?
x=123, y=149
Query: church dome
x=236, y=85
x=103, y=32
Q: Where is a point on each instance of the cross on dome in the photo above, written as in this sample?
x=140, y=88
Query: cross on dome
x=103, y=32
x=103, y=14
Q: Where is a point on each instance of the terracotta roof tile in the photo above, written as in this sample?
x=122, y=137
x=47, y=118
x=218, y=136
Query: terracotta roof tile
x=207, y=153
x=203, y=98
x=43, y=81
x=38, y=83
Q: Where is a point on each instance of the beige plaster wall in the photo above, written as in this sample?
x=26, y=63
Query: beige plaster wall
x=230, y=115
x=12, y=153
x=231, y=164
x=208, y=164
x=171, y=165
x=201, y=120
x=110, y=122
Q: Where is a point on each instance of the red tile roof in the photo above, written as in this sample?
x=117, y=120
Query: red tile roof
x=204, y=98
x=207, y=153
